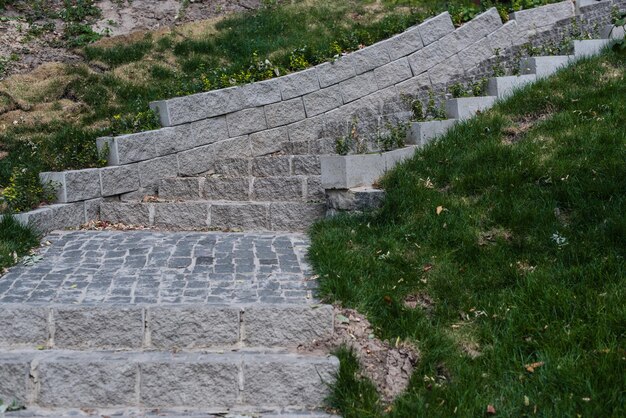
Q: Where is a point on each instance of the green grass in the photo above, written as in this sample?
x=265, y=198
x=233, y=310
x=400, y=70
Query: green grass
x=15, y=240
x=525, y=263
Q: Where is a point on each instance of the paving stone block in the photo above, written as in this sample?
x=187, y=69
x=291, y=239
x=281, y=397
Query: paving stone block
x=151, y=172
x=209, y=131
x=266, y=326
x=246, y=121
x=206, y=381
x=544, y=66
x=415, y=86
x=274, y=380
x=248, y=216
x=446, y=72
x=23, y=325
x=295, y=216
x=475, y=54
x=308, y=129
x=334, y=72
x=98, y=328
x=277, y=188
x=197, y=160
x=271, y=166
x=261, y=93
x=14, y=381
x=393, y=73
x=125, y=213
x=187, y=188
x=216, y=188
x=284, y=113
x=478, y=28
x=357, y=87
x=192, y=327
x=589, y=47
x=404, y=43
x=467, y=107
x=74, y=185
x=120, y=179
x=537, y=18
x=95, y=382
x=307, y=165
x=322, y=101
x=370, y=57
x=345, y=172
x=182, y=215
x=436, y=28
x=421, y=133
x=503, y=87
x=300, y=83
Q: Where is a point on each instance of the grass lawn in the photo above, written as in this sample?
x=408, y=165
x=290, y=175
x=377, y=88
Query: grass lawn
x=510, y=234
x=15, y=241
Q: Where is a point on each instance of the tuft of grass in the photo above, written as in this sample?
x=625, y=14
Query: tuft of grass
x=15, y=241
x=513, y=226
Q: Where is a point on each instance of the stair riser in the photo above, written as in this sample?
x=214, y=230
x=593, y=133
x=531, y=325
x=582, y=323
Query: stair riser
x=163, y=327
x=544, y=66
x=421, y=133
x=467, y=107
x=164, y=380
x=503, y=87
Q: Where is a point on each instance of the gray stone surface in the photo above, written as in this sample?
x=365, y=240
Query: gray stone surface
x=538, y=18
x=415, y=86
x=182, y=215
x=467, y=107
x=74, y=185
x=181, y=110
x=284, y=113
x=308, y=165
x=311, y=128
x=503, y=87
x=235, y=188
x=429, y=56
x=248, y=216
x=446, y=72
x=504, y=37
x=322, y=101
x=270, y=141
x=370, y=57
x=27, y=325
x=299, y=84
x=393, y=73
x=421, y=133
x=102, y=328
x=404, y=43
x=246, y=121
x=345, y=172
x=221, y=102
x=65, y=216
x=14, y=383
x=208, y=131
x=261, y=93
x=544, y=66
x=120, y=179
x=271, y=166
x=314, y=189
x=330, y=73
x=233, y=147
x=141, y=146
x=357, y=87
x=278, y=189
x=295, y=216
x=175, y=139
x=436, y=28
x=197, y=160
x=233, y=167
x=153, y=171
x=92, y=210
x=476, y=54
x=129, y=213
x=589, y=47
x=357, y=199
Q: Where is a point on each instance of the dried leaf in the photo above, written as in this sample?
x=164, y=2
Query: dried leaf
x=439, y=210
x=531, y=367
x=427, y=267
x=491, y=410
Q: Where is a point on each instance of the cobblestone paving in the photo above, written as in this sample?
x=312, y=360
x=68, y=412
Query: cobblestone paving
x=160, y=268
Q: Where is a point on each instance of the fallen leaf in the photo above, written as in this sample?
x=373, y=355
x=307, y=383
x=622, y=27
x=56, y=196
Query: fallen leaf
x=427, y=267
x=526, y=400
x=439, y=210
x=491, y=410
x=531, y=367
x=342, y=319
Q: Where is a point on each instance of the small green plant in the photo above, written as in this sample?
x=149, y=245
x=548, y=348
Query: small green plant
x=479, y=87
x=458, y=90
x=619, y=20
x=135, y=122
x=342, y=145
x=25, y=191
x=394, y=137
x=417, y=109
x=498, y=69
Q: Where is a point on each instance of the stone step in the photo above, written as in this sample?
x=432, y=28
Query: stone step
x=421, y=133
x=503, y=87
x=589, y=47
x=269, y=166
x=355, y=200
x=466, y=107
x=167, y=326
x=544, y=66
x=144, y=412
x=285, y=189
x=216, y=215
x=70, y=379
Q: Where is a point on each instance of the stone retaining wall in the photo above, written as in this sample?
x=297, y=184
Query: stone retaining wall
x=303, y=113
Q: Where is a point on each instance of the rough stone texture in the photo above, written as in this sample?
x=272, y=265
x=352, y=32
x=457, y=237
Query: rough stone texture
x=307, y=165
x=183, y=215
x=475, y=54
x=197, y=160
x=153, y=171
x=121, y=179
x=271, y=166
x=370, y=57
x=21, y=325
x=436, y=28
x=209, y=131
x=275, y=381
x=267, y=327
x=192, y=327
x=14, y=385
x=64, y=216
x=261, y=93
x=104, y=328
x=421, y=133
x=357, y=87
x=503, y=87
x=216, y=188
x=188, y=188
x=322, y=101
x=467, y=107
x=540, y=17
x=477, y=28
x=136, y=147
x=181, y=110
x=447, y=71
x=129, y=213
x=393, y=73
x=175, y=139
x=239, y=147
x=310, y=128
x=74, y=185
x=246, y=121
x=416, y=86
x=94, y=383
x=404, y=43
x=330, y=73
x=221, y=102
x=270, y=141
x=504, y=37
x=345, y=172
x=190, y=383
x=233, y=167
x=358, y=199
x=544, y=66
x=277, y=189
x=284, y=113
x=249, y=216
x=92, y=210
x=430, y=56
x=299, y=84
x=589, y=48
x=295, y=216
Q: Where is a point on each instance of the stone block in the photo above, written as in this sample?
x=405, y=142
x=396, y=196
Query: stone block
x=74, y=185
x=271, y=166
x=153, y=171
x=503, y=87
x=308, y=129
x=478, y=28
x=40, y=219
x=175, y=139
x=261, y=93
x=322, y=101
x=358, y=199
x=131, y=148
x=421, y=133
x=432, y=55
x=544, y=66
x=284, y=113
x=345, y=172
x=120, y=179
x=504, y=37
x=246, y=121
x=277, y=189
x=370, y=57
x=475, y=54
x=98, y=328
x=415, y=86
x=197, y=381
x=306, y=165
x=209, y=131
x=436, y=28
x=393, y=73
x=224, y=101
x=197, y=160
x=334, y=72
x=395, y=157
x=314, y=190
x=181, y=110
x=186, y=188
x=95, y=382
x=404, y=43
x=300, y=83
x=357, y=87
x=125, y=213
x=92, y=209
x=287, y=216
x=247, y=216
x=64, y=216
x=224, y=188
x=192, y=327
x=233, y=167
x=14, y=380
x=467, y=107
x=535, y=19
x=183, y=215
x=266, y=326
x=276, y=381
x=23, y=325
x=233, y=147
x=446, y=72
x=590, y=47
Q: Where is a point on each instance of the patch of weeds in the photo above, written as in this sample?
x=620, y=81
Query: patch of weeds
x=14, y=405
x=137, y=122
x=24, y=191
x=393, y=137
x=78, y=16
x=120, y=54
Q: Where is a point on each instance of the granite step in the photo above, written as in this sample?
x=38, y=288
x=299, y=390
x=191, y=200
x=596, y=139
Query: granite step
x=545, y=66
x=463, y=108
